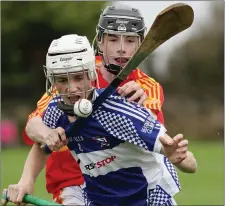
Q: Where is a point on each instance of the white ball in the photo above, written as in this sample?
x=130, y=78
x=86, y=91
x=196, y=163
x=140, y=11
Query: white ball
x=82, y=108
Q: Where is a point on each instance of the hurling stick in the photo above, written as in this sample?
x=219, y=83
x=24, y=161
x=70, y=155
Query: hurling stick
x=32, y=200
x=169, y=22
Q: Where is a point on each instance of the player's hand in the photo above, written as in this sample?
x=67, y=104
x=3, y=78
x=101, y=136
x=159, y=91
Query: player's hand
x=175, y=149
x=133, y=90
x=56, y=138
x=16, y=192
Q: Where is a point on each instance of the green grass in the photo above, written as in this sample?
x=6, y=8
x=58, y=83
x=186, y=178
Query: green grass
x=205, y=187
x=12, y=161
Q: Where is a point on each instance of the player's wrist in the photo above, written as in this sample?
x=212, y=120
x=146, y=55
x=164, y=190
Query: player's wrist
x=188, y=165
x=28, y=181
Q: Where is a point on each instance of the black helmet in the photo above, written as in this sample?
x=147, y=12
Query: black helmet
x=121, y=18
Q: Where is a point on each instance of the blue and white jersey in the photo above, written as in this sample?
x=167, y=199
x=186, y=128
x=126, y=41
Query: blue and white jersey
x=119, y=155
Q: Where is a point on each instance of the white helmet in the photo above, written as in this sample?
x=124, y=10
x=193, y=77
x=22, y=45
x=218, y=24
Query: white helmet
x=70, y=53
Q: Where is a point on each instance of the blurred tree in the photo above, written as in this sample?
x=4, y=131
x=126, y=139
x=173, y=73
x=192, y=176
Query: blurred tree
x=27, y=30
x=194, y=82
x=194, y=87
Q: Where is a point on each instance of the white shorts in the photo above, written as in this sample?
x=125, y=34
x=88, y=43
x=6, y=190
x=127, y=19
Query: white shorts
x=72, y=195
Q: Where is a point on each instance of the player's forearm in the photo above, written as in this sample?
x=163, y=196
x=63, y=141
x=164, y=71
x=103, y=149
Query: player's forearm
x=36, y=129
x=35, y=162
x=189, y=164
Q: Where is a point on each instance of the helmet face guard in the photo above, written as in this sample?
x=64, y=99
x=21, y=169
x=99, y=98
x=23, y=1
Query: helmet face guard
x=70, y=59
x=117, y=49
x=62, y=82
x=123, y=21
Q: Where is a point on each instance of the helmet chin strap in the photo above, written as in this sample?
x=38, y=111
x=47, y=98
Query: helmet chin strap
x=113, y=68
x=68, y=109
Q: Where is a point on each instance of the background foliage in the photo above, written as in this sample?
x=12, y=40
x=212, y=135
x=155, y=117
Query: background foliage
x=194, y=81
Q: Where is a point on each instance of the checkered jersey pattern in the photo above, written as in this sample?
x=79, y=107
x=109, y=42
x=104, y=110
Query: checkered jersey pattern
x=52, y=116
x=119, y=126
x=158, y=197
x=87, y=202
x=172, y=171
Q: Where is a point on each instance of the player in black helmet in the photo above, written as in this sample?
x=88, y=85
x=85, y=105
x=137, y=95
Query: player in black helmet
x=120, y=31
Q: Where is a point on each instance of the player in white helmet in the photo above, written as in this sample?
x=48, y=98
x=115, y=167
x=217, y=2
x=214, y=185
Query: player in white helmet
x=138, y=86
x=117, y=148
x=61, y=64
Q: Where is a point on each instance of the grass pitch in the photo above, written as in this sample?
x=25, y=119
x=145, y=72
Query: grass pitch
x=205, y=187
